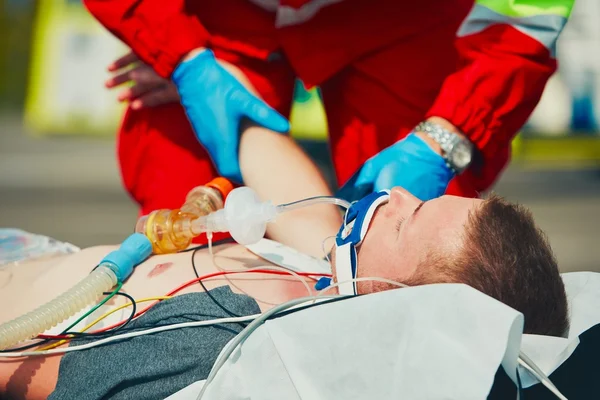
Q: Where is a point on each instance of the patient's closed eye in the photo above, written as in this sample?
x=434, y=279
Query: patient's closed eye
x=402, y=219
x=399, y=223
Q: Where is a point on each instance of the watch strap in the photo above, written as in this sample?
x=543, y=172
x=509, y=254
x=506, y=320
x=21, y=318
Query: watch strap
x=446, y=139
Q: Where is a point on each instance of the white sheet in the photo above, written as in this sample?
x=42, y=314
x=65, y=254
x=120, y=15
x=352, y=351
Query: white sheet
x=418, y=344
x=437, y=341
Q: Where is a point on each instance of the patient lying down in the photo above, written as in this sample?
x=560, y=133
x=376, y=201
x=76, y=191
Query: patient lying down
x=491, y=245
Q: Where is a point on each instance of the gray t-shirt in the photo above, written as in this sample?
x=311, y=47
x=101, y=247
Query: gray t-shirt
x=157, y=365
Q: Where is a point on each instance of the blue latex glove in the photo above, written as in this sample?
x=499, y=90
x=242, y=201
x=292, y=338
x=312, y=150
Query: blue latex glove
x=215, y=102
x=409, y=163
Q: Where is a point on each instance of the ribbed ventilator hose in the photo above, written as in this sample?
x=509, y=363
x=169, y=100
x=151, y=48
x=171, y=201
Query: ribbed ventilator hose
x=86, y=292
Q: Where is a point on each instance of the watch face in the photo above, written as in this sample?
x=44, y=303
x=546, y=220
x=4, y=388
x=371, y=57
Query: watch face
x=461, y=155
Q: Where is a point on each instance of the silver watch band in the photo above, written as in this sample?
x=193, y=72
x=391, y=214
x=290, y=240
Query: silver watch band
x=449, y=142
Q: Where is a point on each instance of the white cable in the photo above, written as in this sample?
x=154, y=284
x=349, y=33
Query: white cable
x=209, y=236
x=289, y=271
x=325, y=253
x=347, y=211
x=140, y=333
x=265, y=268
x=231, y=346
x=130, y=335
x=530, y=366
x=368, y=278
x=546, y=382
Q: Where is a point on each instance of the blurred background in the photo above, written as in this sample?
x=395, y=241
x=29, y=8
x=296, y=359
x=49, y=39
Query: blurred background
x=58, y=171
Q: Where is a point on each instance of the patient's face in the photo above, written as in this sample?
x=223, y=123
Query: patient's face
x=405, y=231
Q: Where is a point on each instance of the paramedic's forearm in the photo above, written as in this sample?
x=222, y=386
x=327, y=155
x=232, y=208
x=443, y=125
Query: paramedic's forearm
x=277, y=168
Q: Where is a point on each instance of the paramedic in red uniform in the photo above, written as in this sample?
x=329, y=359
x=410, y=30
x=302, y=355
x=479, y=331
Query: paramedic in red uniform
x=423, y=94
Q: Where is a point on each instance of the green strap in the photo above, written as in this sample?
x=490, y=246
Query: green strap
x=529, y=8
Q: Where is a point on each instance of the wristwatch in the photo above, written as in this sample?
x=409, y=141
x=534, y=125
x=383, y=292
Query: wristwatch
x=457, y=151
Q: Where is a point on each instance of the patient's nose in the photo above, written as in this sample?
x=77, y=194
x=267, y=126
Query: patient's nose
x=400, y=197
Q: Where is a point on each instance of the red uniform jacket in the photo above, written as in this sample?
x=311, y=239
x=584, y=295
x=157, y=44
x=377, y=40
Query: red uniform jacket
x=505, y=50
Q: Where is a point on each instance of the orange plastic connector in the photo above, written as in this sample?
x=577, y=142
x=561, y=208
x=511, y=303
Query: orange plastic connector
x=224, y=186
x=171, y=230
x=203, y=200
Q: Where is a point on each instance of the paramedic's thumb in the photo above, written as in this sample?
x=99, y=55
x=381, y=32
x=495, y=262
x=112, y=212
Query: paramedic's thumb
x=259, y=112
x=226, y=156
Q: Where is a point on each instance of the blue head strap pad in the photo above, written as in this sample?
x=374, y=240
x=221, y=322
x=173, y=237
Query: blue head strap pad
x=351, y=235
